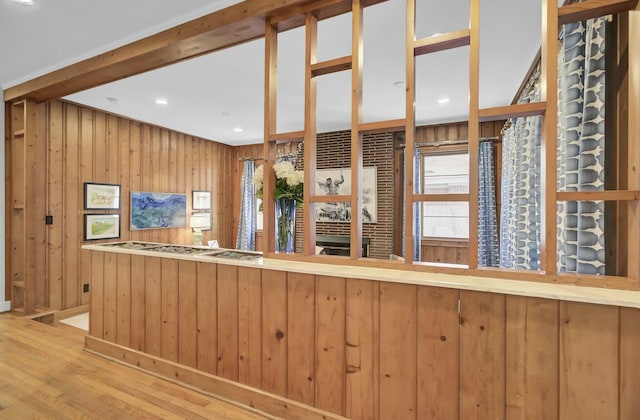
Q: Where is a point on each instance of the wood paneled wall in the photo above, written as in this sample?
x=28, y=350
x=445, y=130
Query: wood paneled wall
x=86, y=145
x=374, y=350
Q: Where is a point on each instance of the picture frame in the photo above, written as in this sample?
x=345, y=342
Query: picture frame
x=101, y=226
x=152, y=210
x=101, y=196
x=201, y=200
x=208, y=215
x=338, y=182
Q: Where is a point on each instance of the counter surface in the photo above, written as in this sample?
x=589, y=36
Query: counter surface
x=565, y=292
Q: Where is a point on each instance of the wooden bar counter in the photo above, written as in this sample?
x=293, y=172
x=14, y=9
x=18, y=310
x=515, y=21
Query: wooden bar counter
x=310, y=340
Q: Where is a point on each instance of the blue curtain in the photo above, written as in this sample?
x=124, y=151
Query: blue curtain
x=247, y=226
x=581, y=98
x=488, y=255
x=520, y=196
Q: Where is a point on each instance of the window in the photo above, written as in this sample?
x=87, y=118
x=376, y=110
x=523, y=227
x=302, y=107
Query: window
x=445, y=173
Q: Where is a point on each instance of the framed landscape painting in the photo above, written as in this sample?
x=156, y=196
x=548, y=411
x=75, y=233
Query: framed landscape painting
x=101, y=226
x=101, y=196
x=151, y=210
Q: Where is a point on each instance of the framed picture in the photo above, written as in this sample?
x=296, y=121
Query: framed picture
x=338, y=182
x=151, y=210
x=201, y=200
x=101, y=196
x=101, y=226
x=208, y=216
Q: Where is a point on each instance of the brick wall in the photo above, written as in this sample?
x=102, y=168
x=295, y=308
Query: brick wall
x=334, y=151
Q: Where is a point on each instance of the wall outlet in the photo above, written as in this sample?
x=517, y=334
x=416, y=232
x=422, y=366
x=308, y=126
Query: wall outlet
x=85, y=288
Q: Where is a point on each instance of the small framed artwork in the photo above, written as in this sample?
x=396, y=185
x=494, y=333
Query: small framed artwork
x=101, y=196
x=101, y=226
x=201, y=200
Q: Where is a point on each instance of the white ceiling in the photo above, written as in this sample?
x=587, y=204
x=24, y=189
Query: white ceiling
x=212, y=95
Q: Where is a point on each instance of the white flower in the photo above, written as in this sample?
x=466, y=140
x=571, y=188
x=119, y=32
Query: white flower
x=258, y=177
x=283, y=170
x=296, y=178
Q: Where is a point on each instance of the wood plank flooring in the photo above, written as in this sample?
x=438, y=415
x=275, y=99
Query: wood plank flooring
x=44, y=374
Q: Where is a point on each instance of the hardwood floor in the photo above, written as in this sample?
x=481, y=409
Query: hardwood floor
x=44, y=374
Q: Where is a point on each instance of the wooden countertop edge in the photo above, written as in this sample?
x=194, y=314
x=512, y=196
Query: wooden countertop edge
x=566, y=292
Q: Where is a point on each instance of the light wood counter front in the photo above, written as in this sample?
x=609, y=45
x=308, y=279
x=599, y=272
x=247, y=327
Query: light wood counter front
x=304, y=340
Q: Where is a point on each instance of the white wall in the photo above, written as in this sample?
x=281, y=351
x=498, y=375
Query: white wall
x=4, y=306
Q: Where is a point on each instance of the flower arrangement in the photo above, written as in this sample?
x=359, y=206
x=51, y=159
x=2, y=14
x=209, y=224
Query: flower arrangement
x=289, y=182
x=288, y=196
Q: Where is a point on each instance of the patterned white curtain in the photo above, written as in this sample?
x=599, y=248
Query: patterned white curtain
x=581, y=98
x=488, y=255
x=520, y=204
x=247, y=222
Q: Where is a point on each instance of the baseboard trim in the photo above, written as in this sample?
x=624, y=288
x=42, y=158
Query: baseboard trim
x=215, y=386
x=5, y=306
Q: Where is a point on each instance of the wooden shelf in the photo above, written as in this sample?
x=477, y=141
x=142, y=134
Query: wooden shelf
x=441, y=42
x=611, y=195
x=331, y=66
x=382, y=126
x=577, y=12
x=512, y=111
x=292, y=136
x=440, y=197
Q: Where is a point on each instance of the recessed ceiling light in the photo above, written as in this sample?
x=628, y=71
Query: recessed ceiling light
x=443, y=100
x=225, y=114
x=112, y=100
x=161, y=101
x=25, y=2
x=238, y=129
x=399, y=84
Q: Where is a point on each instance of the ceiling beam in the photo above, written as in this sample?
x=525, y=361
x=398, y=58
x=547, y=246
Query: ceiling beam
x=225, y=28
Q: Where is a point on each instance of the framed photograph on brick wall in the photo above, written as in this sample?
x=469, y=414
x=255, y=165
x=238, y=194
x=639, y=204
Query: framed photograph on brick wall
x=338, y=182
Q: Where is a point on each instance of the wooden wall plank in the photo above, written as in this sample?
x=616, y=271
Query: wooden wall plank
x=301, y=374
x=398, y=329
x=55, y=187
x=437, y=352
x=228, y=322
x=124, y=174
x=71, y=215
x=330, y=343
x=153, y=306
x=207, y=317
x=37, y=231
x=250, y=326
x=135, y=173
x=146, y=167
x=362, y=339
x=589, y=346
x=187, y=313
x=169, y=291
x=110, y=296
x=274, y=332
x=532, y=358
x=96, y=304
x=482, y=358
x=138, y=292
x=629, y=366
x=123, y=303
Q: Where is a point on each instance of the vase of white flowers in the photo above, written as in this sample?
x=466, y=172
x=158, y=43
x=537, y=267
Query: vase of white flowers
x=287, y=196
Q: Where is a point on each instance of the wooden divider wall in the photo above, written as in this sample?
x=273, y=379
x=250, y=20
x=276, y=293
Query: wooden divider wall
x=86, y=145
x=374, y=350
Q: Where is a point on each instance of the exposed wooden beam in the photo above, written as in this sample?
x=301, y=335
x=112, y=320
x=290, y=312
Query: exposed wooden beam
x=331, y=66
x=225, y=28
x=512, y=111
x=442, y=42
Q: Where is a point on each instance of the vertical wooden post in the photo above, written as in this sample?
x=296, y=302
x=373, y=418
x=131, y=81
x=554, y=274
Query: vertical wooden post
x=474, y=127
x=270, y=108
x=633, y=247
x=548, y=149
x=410, y=129
x=310, y=97
x=356, y=136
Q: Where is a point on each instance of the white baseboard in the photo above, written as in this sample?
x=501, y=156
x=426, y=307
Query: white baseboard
x=5, y=306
